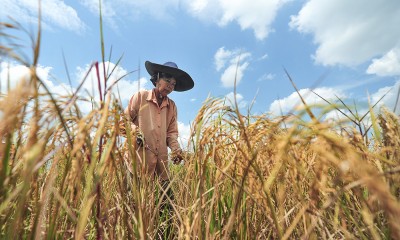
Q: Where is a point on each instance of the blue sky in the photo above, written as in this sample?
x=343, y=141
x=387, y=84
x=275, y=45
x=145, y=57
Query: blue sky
x=349, y=49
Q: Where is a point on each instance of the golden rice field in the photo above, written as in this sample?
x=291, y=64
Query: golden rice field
x=63, y=173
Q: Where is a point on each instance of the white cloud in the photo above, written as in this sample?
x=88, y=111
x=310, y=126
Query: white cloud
x=388, y=65
x=55, y=88
x=230, y=100
x=126, y=87
x=389, y=94
x=265, y=56
x=159, y=9
x=55, y=13
x=184, y=134
x=293, y=101
x=205, y=10
x=116, y=9
x=222, y=56
x=233, y=73
x=257, y=16
x=390, y=99
x=237, y=62
x=108, y=11
x=336, y=116
x=11, y=74
x=350, y=32
x=266, y=77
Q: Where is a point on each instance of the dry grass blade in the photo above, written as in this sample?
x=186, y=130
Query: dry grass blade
x=301, y=97
x=397, y=100
x=376, y=103
x=337, y=108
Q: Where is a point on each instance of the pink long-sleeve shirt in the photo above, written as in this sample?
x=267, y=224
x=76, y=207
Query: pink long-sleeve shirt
x=159, y=127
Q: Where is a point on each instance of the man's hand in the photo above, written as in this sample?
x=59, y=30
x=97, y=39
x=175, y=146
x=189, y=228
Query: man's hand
x=139, y=138
x=177, y=156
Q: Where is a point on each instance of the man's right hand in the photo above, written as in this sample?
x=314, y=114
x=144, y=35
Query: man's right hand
x=139, y=138
x=177, y=156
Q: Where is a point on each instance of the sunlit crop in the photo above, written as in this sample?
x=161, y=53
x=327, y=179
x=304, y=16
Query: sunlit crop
x=65, y=173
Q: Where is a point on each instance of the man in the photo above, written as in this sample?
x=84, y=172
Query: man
x=153, y=117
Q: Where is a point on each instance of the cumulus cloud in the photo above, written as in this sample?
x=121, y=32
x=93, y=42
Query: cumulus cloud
x=232, y=73
x=266, y=77
x=108, y=11
x=11, y=74
x=205, y=10
x=265, y=56
x=257, y=16
x=159, y=9
x=184, y=134
x=388, y=65
x=123, y=89
x=390, y=99
x=230, y=100
x=383, y=97
x=249, y=15
x=236, y=61
x=221, y=57
x=55, y=13
x=293, y=101
x=349, y=32
x=117, y=9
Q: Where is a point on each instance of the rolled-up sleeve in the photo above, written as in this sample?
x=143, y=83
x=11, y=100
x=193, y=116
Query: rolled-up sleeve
x=131, y=111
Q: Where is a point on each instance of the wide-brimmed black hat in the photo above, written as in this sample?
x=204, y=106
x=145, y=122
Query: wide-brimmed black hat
x=183, y=80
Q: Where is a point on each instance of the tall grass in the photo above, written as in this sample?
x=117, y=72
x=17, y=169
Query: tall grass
x=68, y=174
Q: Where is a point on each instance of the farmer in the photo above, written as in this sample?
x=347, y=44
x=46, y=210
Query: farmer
x=153, y=117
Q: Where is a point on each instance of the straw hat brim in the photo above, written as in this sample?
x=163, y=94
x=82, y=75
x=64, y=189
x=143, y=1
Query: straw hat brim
x=183, y=80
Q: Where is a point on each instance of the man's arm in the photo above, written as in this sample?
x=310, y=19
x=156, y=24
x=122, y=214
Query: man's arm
x=130, y=115
x=172, y=137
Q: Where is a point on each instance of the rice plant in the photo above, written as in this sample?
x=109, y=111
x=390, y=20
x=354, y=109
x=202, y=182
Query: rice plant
x=69, y=174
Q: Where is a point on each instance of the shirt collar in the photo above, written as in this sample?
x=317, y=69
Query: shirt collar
x=152, y=97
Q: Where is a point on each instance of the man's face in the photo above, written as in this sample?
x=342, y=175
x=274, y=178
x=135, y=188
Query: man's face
x=166, y=85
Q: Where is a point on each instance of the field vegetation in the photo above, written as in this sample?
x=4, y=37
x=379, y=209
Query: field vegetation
x=64, y=172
